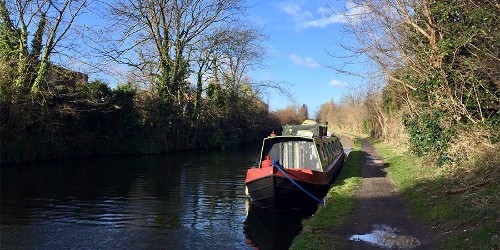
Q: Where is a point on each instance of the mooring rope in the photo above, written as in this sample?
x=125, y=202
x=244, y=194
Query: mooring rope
x=280, y=168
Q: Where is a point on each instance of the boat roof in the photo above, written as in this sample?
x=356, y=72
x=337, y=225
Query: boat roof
x=304, y=138
x=307, y=129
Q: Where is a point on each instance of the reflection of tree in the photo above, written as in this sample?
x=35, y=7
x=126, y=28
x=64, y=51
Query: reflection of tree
x=154, y=197
x=211, y=188
x=136, y=197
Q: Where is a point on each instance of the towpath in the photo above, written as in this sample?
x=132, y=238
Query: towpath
x=381, y=219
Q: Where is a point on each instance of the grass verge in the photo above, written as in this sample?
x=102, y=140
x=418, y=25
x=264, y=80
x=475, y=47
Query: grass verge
x=318, y=231
x=463, y=208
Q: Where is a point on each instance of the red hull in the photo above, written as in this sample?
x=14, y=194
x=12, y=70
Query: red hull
x=269, y=188
x=302, y=175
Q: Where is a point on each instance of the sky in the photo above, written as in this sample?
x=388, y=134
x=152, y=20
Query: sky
x=302, y=34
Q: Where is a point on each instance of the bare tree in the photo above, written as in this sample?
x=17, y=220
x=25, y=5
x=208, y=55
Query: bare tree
x=158, y=37
x=429, y=52
x=50, y=21
x=225, y=56
x=303, y=113
x=240, y=51
x=63, y=14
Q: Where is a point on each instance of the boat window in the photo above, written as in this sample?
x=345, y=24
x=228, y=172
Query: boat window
x=294, y=154
x=326, y=155
x=330, y=148
x=318, y=146
x=321, y=149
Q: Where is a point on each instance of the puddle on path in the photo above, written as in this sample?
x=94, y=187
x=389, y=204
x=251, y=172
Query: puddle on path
x=386, y=237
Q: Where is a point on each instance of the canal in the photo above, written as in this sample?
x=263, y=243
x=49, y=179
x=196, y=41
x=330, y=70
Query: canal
x=178, y=201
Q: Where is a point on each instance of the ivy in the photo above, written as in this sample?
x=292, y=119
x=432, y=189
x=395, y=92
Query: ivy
x=428, y=135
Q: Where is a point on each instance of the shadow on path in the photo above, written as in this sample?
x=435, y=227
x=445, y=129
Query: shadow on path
x=380, y=220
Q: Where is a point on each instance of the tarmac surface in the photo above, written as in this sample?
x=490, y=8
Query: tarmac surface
x=381, y=220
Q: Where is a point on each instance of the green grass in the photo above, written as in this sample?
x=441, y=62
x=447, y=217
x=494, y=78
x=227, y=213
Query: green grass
x=469, y=219
x=317, y=232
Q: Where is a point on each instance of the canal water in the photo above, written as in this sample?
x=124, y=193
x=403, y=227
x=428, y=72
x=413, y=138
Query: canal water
x=178, y=201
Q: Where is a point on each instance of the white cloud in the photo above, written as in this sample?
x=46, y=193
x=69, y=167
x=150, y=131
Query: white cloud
x=305, y=61
x=323, y=22
x=354, y=12
x=295, y=12
x=305, y=19
x=324, y=11
x=337, y=83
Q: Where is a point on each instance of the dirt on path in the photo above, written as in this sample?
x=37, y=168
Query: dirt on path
x=381, y=219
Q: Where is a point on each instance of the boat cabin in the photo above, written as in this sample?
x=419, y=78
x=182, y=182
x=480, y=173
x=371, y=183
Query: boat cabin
x=303, y=147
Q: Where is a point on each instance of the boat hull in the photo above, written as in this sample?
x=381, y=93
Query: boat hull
x=278, y=193
x=268, y=188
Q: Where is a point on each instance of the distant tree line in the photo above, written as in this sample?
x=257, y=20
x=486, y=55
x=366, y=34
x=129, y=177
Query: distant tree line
x=292, y=114
x=437, y=88
x=188, y=87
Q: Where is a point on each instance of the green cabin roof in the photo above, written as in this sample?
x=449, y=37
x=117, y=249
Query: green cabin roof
x=308, y=129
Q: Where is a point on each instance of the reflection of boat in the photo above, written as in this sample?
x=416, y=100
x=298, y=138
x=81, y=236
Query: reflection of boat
x=296, y=168
x=266, y=230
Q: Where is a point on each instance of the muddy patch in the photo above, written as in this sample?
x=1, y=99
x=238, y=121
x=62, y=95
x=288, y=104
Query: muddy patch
x=387, y=237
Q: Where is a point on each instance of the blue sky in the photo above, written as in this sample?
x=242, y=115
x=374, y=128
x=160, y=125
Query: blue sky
x=301, y=35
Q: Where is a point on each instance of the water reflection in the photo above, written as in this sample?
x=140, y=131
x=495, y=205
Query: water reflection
x=189, y=200
x=387, y=237
x=268, y=230
x=182, y=201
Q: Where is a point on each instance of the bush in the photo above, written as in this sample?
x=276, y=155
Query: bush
x=429, y=133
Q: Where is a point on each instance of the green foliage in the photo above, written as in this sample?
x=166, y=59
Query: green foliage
x=469, y=47
x=172, y=81
x=96, y=89
x=36, y=43
x=367, y=127
x=91, y=118
x=67, y=119
x=390, y=103
x=8, y=35
x=453, y=74
x=123, y=97
x=429, y=134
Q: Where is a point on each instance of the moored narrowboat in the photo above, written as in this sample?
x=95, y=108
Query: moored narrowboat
x=296, y=168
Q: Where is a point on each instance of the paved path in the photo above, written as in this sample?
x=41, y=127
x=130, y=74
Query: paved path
x=381, y=216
